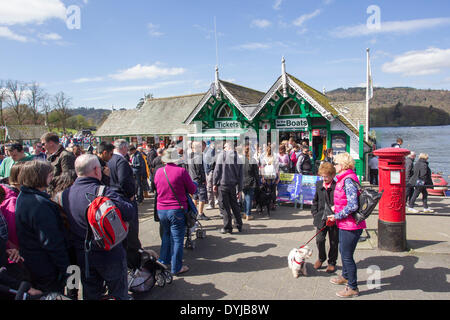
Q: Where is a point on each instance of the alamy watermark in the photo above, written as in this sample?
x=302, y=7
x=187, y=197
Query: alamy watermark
x=374, y=279
x=73, y=17
x=374, y=20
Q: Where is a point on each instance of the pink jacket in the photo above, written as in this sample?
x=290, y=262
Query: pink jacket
x=340, y=201
x=8, y=209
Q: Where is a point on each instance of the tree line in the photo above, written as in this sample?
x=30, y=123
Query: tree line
x=28, y=103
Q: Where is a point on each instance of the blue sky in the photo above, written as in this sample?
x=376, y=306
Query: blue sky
x=123, y=49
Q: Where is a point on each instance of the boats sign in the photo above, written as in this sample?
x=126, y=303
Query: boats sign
x=292, y=123
x=227, y=124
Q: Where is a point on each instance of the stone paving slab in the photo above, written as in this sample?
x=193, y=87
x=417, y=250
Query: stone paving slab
x=253, y=265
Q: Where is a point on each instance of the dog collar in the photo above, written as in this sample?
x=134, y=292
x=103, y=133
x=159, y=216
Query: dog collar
x=300, y=263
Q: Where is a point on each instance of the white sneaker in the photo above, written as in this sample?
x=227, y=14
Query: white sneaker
x=428, y=210
x=216, y=202
x=412, y=210
x=209, y=207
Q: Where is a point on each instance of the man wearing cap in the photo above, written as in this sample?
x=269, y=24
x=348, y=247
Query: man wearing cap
x=16, y=154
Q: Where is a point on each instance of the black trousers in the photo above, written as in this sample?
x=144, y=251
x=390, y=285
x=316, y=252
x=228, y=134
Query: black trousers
x=373, y=173
x=333, y=237
x=132, y=243
x=139, y=192
x=228, y=204
x=409, y=193
x=418, y=190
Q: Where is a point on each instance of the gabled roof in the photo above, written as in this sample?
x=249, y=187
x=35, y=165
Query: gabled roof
x=245, y=99
x=163, y=116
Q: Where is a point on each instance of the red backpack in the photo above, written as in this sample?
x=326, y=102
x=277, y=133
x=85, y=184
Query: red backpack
x=105, y=225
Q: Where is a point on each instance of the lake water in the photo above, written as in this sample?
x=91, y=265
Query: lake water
x=432, y=140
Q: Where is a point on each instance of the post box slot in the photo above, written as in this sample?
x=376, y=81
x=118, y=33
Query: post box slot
x=395, y=163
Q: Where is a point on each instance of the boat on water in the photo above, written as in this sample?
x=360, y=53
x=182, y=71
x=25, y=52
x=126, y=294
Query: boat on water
x=440, y=185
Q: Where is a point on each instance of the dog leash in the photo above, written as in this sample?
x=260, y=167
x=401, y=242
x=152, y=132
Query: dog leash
x=313, y=237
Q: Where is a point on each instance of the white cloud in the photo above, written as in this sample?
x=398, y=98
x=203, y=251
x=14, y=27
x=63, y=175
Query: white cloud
x=390, y=27
x=147, y=72
x=5, y=32
x=50, y=36
x=153, y=30
x=417, y=63
x=305, y=17
x=277, y=4
x=85, y=80
x=253, y=46
x=144, y=87
x=30, y=11
x=261, y=23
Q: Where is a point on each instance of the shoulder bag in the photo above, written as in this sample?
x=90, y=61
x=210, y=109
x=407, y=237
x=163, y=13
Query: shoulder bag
x=191, y=212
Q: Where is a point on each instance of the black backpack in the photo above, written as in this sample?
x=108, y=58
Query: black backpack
x=367, y=200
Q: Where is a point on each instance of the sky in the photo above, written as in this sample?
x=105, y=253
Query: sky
x=109, y=53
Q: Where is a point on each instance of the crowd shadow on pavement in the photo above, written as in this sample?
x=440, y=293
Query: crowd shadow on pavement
x=180, y=289
x=410, y=277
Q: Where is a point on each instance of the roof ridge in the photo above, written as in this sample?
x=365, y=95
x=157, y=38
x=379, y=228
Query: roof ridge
x=175, y=97
x=238, y=85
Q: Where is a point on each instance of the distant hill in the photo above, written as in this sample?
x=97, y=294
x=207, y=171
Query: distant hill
x=389, y=97
x=401, y=106
x=97, y=115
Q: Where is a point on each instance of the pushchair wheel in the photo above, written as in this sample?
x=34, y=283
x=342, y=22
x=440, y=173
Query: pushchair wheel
x=201, y=234
x=168, y=276
x=160, y=279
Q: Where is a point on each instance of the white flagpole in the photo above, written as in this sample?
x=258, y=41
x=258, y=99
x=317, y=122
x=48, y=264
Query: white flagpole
x=367, y=96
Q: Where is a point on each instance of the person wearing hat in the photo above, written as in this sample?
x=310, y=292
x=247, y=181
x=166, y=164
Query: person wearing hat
x=173, y=184
x=16, y=154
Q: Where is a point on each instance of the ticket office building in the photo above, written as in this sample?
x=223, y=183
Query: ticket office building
x=290, y=108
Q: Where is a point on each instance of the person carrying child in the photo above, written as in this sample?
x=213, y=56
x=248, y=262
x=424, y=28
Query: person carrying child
x=320, y=210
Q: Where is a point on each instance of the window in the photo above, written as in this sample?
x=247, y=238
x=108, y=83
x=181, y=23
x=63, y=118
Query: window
x=290, y=108
x=225, y=112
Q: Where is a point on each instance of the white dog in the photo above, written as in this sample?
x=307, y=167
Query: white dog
x=296, y=260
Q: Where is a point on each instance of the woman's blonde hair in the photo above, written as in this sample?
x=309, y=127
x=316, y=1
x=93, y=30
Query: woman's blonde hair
x=423, y=156
x=345, y=160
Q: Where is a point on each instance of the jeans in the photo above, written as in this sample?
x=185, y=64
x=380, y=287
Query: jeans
x=173, y=223
x=115, y=276
x=248, y=200
x=348, y=239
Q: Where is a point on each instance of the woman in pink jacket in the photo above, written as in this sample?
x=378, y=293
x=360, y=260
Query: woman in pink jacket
x=8, y=206
x=345, y=203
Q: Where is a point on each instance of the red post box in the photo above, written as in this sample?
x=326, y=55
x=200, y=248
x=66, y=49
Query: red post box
x=391, y=208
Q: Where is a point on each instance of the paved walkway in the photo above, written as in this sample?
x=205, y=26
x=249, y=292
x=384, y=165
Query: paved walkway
x=253, y=264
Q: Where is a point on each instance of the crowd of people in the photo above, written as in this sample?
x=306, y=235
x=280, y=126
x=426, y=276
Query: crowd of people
x=44, y=201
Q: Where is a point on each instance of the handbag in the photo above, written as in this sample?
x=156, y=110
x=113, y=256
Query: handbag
x=191, y=212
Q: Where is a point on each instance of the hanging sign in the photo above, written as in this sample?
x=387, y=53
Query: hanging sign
x=296, y=123
x=227, y=125
x=316, y=132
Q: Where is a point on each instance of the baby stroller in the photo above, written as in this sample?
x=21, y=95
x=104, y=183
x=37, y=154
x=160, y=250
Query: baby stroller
x=150, y=272
x=199, y=232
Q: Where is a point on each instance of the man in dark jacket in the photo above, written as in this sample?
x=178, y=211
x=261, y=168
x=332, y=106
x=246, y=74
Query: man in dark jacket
x=139, y=172
x=304, y=164
x=104, y=266
x=209, y=160
x=122, y=182
x=59, y=157
x=104, y=153
x=420, y=179
x=320, y=209
x=409, y=171
x=196, y=170
x=228, y=178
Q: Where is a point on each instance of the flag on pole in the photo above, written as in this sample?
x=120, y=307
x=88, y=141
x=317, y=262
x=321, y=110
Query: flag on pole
x=369, y=79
